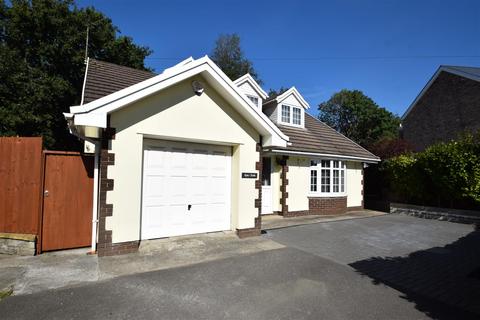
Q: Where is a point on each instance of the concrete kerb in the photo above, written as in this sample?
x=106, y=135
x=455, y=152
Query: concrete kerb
x=284, y=223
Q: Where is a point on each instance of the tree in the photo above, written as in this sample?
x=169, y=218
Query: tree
x=358, y=117
x=42, y=48
x=272, y=93
x=228, y=55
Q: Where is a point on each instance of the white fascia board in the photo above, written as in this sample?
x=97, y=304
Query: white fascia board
x=248, y=78
x=449, y=69
x=249, y=112
x=136, y=88
x=326, y=155
x=91, y=119
x=103, y=106
x=298, y=96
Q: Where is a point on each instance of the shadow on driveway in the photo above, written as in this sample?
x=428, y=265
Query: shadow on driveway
x=449, y=275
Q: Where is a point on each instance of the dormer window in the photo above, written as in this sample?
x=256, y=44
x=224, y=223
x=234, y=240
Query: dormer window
x=285, y=113
x=291, y=115
x=297, y=116
x=254, y=99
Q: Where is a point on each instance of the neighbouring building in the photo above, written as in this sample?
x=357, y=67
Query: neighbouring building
x=447, y=106
x=190, y=151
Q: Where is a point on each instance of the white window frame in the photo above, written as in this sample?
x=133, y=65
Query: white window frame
x=318, y=168
x=259, y=100
x=290, y=118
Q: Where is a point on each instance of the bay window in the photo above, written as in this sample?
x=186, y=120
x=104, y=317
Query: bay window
x=332, y=177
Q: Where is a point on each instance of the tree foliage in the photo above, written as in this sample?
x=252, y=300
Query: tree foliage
x=358, y=117
x=229, y=56
x=388, y=147
x=272, y=93
x=42, y=48
x=444, y=172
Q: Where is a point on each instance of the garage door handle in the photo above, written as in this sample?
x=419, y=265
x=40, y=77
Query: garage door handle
x=189, y=207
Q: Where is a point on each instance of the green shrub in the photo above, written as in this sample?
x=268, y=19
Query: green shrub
x=443, y=173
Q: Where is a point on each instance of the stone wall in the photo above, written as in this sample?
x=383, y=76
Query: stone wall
x=442, y=214
x=17, y=244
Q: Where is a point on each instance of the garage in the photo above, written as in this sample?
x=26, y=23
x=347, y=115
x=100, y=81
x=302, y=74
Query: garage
x=186, y=189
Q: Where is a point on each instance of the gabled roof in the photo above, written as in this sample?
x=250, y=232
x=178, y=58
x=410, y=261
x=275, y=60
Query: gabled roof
x=317, y=138
x=292, y=91
x=248, y=78
x=103, y=78
x=472, y=73
x=94, y=113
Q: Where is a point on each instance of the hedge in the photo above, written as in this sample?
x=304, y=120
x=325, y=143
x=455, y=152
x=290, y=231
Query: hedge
x=445, y=173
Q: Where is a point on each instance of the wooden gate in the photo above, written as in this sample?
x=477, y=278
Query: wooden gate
x=67, y=200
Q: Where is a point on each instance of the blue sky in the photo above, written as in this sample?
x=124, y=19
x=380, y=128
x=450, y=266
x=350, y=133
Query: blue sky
x=388, y=49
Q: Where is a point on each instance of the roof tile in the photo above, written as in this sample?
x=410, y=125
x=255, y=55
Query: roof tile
x=104, y=78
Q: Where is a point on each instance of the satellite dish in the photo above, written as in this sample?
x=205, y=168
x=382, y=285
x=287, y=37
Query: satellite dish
x=197, y=87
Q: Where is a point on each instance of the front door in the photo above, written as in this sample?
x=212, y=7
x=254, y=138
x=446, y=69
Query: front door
x=267, y=194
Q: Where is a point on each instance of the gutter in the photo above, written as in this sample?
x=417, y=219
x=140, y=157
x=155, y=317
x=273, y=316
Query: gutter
x=325, y=155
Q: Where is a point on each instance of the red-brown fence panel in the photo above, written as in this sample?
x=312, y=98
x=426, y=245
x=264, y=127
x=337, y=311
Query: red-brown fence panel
x=20, y=184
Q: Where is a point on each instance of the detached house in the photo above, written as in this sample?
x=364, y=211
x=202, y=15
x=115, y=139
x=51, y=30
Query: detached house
x=447, y=106
x=189, y=151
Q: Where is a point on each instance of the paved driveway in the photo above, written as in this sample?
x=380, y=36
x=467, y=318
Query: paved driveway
x=301, y=281
x=439, y=261
x=357, y=239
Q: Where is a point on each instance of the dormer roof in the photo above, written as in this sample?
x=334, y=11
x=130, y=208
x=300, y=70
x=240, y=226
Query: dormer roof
x=290, y=92
x=249, y=79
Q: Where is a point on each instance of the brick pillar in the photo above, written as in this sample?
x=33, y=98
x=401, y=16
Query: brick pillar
x=257, y=229
x=105, y=247
x=284, y=183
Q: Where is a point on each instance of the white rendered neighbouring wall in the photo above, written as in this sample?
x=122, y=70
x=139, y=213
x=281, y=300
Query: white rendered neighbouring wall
x=298, y=187
x=177, y=113
x=354, y=184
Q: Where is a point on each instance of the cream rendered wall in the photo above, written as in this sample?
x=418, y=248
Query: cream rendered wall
x=354, y=184
x=298, y=176
x=178, y=114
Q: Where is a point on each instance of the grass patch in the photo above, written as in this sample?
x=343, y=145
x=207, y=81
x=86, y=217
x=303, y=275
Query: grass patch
x=6, y=293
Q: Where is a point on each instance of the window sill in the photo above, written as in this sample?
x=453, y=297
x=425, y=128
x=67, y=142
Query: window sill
x=327, y=195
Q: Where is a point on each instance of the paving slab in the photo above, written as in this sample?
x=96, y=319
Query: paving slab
x=59, y=269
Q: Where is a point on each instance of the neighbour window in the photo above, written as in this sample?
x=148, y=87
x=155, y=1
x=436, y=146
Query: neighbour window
x=332, y=176
x=297, y=116
x=253, y=99
x=285, y=114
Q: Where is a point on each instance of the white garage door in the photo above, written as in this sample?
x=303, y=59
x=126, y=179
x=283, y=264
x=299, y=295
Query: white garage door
x=186, y=189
